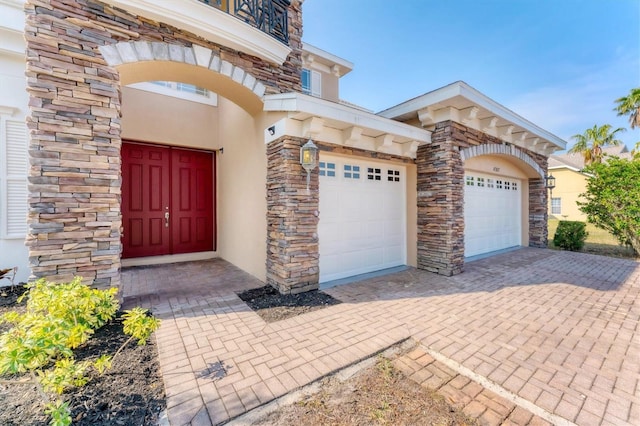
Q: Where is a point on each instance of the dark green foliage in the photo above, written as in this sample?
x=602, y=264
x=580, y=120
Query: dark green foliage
x=570, y=235
x=613, y=199
x=58, y=319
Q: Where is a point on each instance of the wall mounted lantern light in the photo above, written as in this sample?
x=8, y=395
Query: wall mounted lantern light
x=550, y=183
x=308, y=155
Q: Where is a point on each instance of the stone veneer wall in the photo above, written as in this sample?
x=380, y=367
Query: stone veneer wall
x=538, y=213
x=441, y=197
x=358, y=152
x=74, y=180
x=440, y=205
x=292, y=219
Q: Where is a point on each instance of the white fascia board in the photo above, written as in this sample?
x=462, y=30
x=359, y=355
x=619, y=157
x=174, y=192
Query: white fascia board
x=12, y=42
x=420, y=102
x=210, y=23
x=17, y=4
x=563, y=167
x=460, y=88
x=329, y=57
x=300, y=103
x=12, y=15
x=7, y=110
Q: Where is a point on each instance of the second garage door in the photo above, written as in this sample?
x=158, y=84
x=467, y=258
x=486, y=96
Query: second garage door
x=362, y=224
x=492, y=213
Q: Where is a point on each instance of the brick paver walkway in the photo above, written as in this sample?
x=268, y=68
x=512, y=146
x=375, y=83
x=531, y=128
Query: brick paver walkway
x=557, y=330
x=471, y=397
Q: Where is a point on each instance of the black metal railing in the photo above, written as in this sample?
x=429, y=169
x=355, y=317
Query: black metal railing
x=269, y=16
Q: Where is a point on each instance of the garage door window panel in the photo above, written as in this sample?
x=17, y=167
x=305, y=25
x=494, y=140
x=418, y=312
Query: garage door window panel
x=327, y=169
x=374, y=174
x=393, y=175
x=351, y=171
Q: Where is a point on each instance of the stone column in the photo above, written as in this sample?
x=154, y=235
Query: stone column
x=538, y=215
x=292, y=219
x=440, y=204
x=74, y=179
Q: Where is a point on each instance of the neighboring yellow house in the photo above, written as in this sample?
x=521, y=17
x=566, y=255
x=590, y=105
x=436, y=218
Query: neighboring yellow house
x=571, y=182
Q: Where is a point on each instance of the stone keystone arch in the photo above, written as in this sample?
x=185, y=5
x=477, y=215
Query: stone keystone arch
x=510, y=150
x=138, y=59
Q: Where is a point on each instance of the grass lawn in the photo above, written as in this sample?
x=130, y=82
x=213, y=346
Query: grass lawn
x=598, y=241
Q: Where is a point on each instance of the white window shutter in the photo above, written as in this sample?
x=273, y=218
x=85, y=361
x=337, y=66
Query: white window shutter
x=316, y=84
x=15, y=179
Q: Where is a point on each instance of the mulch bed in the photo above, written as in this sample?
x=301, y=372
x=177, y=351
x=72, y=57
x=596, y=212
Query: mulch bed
x=131, y=393
x=272, y=306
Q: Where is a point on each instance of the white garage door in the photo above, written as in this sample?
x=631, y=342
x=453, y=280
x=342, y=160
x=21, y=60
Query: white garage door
x=362, y=217
x=492, y=213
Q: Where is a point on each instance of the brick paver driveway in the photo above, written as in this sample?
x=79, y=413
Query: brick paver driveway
x=559, y=330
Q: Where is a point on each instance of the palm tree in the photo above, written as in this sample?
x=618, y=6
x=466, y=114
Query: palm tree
x=590, y=143
x=630, y=105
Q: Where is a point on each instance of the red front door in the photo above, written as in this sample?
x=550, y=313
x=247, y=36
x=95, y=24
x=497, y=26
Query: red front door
x=192, y=201
x=167, y=200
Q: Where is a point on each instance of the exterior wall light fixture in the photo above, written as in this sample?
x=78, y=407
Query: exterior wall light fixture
x=308, y=158
x=550, y=183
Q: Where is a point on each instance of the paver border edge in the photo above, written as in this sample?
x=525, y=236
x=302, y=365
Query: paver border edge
x=499, y=390
x=342, y=374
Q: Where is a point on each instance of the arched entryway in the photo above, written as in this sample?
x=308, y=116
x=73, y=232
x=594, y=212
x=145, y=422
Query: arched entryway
x=496, y=198
x=205, y=153
x=79, y=60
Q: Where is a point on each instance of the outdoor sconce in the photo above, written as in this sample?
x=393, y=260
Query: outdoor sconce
x=308, y=155
x=550, y=183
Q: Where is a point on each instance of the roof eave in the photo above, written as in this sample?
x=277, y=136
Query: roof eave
x=440, y=97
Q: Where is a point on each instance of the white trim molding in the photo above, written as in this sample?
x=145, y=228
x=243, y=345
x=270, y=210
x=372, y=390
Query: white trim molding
x=170, y=258
x=462, y=103
x=210, y=23
x=335, y=64
x=311, y=117
x=496, y=149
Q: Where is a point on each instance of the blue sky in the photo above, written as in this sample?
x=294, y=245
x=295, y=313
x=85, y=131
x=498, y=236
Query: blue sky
x=558, y=63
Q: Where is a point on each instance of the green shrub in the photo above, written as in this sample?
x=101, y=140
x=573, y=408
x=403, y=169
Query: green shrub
x=58, y=319
x=570, y=235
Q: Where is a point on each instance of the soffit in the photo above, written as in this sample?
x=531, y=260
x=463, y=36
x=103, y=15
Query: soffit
x=311, y=117
x=335, y=64
x=462, y=103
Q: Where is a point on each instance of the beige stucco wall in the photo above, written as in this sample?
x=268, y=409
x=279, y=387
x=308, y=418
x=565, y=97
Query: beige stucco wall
x=241, y=185
x=569, y=185
x=152, y=117
x=240, y=167
x=499, y=165
x=412, y=215
x=330, y=90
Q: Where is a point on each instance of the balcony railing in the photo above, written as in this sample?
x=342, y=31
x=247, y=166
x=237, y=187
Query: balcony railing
x=269, y=16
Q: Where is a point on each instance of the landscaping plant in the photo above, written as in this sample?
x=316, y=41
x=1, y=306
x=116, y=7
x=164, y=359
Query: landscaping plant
x=613, y=199
x=570, y=235
x=58, y=319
